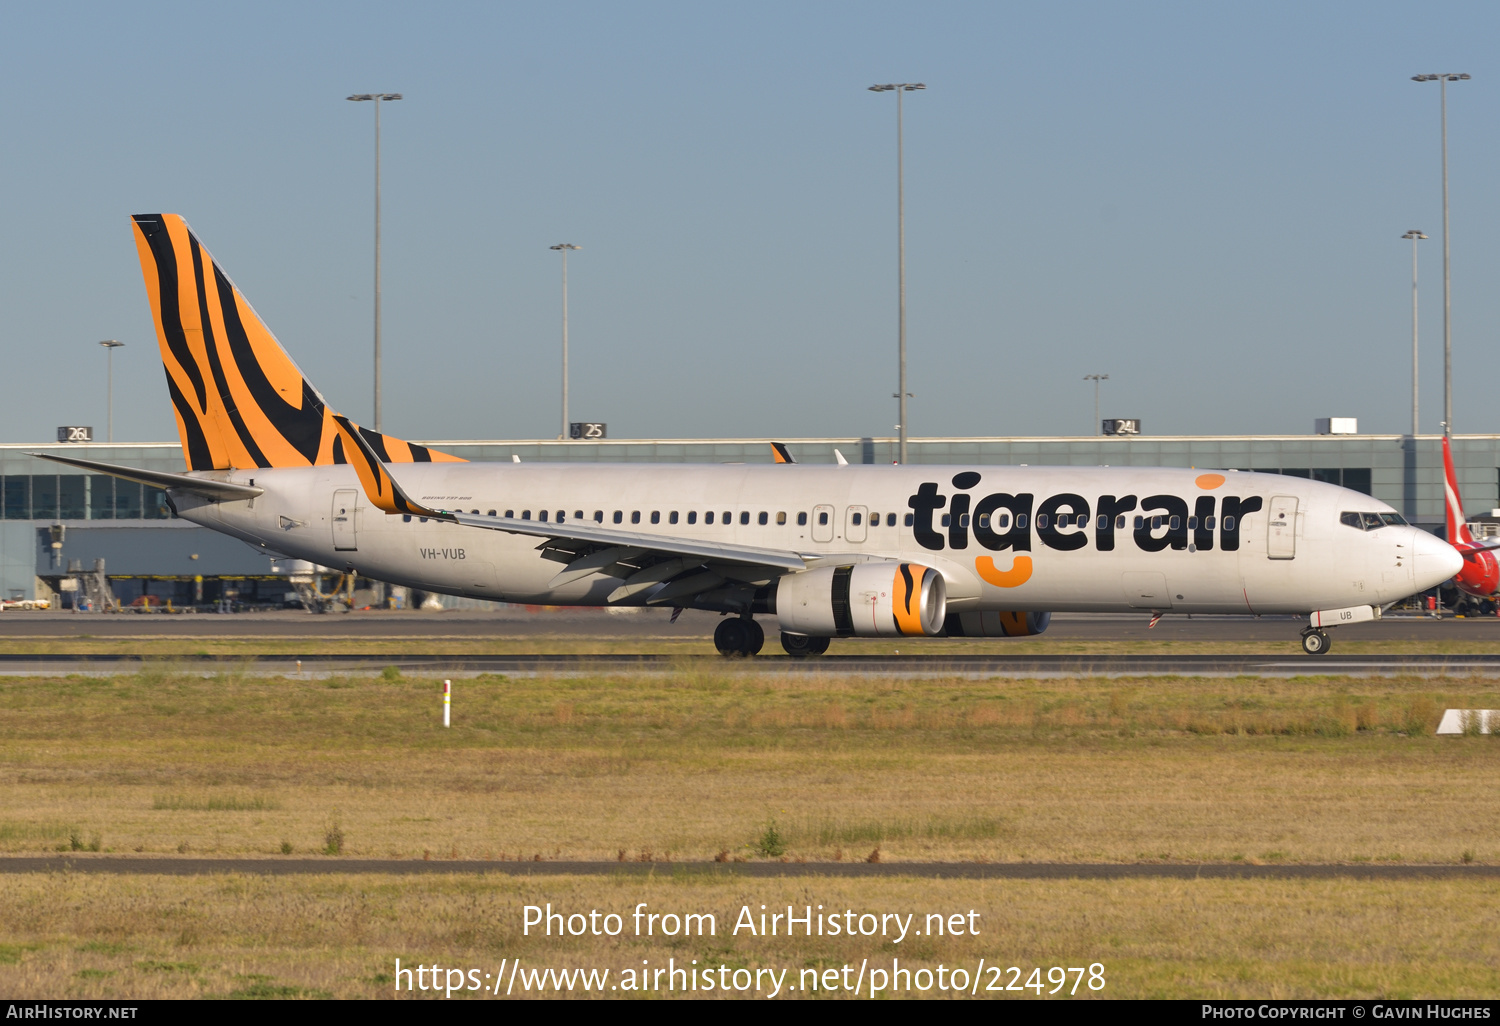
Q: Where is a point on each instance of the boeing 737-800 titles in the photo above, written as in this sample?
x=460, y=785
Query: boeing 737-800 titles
x=828, y=551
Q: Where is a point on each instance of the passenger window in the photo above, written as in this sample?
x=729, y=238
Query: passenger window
x=781, y=518
x=542, y=515
x=801, y=519
x=910, y=519
x=1140, y=522
x=561, y=516
x=1372, y=521
x=692, y=516
x=1101, y=523
x=890, y=520
x=822, y=519
x=656, y=516
x=406, y=518
x=765, y=518
x=1352, y=520
x=984, y=520
x=744, y=516
x=1208, y=523
x=525, y=514
x=635, y=516
x=963, y=520
x=1120, y=522
x=510, y=513
x=708, y=517
x=577, y=514
x=1229, y=523
x=1192, y=523
x=598, y=516
x=854, y=519
x=1155, y=523
x=946, y=519
x=490, y=513
x=1041, y=521
x=619, y=517
x=1002, y=521
x=1020, y=521
x=727, y=518
x=672, y=517
x=1174, y=524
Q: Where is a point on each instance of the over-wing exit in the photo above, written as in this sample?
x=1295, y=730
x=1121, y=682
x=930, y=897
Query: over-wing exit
x=828, y=551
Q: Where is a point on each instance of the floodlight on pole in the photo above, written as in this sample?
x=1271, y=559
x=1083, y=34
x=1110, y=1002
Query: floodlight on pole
x=1096, y=378
x=110, y=345
x=377, y=98
x=1415, y=235
x=563, y=247
x=1443, y=80
x=901, y=394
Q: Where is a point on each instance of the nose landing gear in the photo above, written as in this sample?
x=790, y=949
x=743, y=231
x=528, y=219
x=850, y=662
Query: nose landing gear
x=1315, y=642
x=737, y=636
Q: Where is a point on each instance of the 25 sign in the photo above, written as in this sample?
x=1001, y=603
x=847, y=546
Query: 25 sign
x=587, y=430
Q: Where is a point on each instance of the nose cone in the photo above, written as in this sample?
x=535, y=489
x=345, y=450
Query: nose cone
x=1435, y=560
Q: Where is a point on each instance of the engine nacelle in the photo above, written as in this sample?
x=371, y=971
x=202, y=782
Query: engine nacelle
x=866, y=600
x=995, y=624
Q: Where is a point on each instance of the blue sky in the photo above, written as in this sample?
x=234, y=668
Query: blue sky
x=1203, y=201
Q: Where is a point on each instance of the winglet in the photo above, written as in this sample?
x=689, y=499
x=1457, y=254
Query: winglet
x=840, y=457
x=1459, y=534
x=380, y=488
x=780, y=453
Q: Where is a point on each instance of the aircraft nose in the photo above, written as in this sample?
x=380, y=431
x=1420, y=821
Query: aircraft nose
x=1435, y=561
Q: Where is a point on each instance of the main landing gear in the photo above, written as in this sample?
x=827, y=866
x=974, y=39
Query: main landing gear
x=1315, y=642
x=739, y=636
x=800, y=646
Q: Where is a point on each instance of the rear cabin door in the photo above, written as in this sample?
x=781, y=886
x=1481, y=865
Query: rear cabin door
x=1281, y=529
x=822, y=524
x=854, y=523
x=344, y=538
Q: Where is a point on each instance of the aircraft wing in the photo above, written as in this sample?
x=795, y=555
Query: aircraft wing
x=684, y=566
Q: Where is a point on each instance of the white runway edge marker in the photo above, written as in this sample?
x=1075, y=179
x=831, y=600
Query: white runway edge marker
x=447, y=700
x=1456, y=721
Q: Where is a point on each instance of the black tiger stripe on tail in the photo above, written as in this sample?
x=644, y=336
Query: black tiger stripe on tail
x=239, y=399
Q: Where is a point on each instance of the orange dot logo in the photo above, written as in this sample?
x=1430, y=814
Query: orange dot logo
x=1209, y=482
x=1018, y=574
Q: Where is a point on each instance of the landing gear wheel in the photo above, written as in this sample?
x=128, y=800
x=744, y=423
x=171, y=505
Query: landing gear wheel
x=800, y=646
x=755, y=639
x=731, y=637
x=1316, y=642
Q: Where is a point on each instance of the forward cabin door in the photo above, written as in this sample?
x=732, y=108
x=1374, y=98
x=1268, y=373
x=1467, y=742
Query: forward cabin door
x=344, y=538
x=1281, y=530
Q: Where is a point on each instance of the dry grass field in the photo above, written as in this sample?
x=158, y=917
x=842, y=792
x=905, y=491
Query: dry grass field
x=339, y=936
x=699, y=765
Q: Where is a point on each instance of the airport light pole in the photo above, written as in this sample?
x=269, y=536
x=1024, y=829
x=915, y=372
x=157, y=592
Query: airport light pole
x=1096, y=378
x=1443, y=81
x=1414, y=235
x=376, y=97
x=563, y=248
x=110, y=345
x=902, y=394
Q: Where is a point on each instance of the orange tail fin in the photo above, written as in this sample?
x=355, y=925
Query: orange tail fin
x=240, y=401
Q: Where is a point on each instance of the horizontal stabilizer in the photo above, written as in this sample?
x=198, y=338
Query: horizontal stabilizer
x=218, y=491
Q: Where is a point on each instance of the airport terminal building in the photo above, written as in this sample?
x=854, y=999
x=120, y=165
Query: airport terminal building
x=55, y=525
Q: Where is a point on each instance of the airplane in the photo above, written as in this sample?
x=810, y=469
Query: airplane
x=829, y=552
x=1480, y=576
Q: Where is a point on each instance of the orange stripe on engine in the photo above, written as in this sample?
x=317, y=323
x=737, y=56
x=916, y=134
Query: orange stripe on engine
x=906, y=599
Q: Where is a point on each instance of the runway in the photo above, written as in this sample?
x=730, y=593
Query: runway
x=172, y=866
x=929, y=665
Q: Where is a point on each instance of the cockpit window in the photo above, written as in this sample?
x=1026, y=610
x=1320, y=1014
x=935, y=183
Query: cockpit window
x=1352, y=520
x=1372, y=521
x=1394, y=519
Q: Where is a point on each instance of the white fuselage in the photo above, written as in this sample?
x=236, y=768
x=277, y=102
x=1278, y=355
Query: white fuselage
x=1251, y=543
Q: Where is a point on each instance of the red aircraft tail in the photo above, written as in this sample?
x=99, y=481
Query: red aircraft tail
x=1459, y=535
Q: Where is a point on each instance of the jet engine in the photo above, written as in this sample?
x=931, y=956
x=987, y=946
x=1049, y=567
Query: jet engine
x=995, y=624
x=866, y=600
